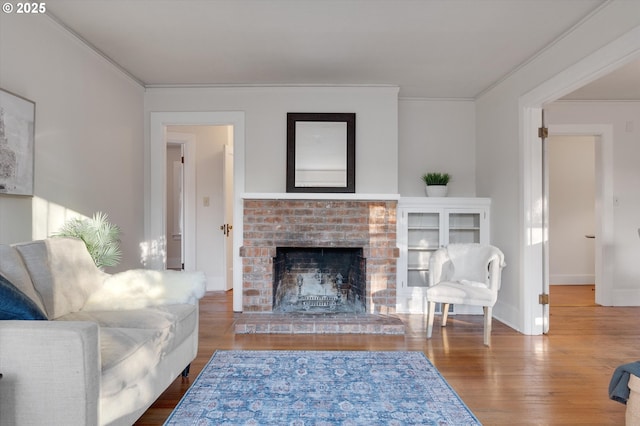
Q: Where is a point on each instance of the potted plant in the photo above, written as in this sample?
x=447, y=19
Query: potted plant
x=101, y=237
x=436, y=184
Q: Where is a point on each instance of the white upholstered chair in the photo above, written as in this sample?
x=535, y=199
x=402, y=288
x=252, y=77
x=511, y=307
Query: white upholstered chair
x=465, y=274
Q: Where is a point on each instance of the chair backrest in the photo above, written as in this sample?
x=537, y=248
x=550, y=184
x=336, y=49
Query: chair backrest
x=475, y=264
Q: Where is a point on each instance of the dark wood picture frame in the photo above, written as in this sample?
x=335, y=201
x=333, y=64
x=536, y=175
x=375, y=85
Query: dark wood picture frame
x=350, y=145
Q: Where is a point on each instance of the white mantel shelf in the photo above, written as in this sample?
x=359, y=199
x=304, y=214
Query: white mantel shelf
x=318, y=196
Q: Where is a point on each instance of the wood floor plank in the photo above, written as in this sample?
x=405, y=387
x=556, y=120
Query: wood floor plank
x=573, y=295
x=555, y=379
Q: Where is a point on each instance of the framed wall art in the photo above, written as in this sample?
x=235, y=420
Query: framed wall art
x=17, y=135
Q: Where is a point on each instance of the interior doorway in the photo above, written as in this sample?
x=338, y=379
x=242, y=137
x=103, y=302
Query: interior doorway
x=599, y=138
x=180, y=222
x=208, y=195
x=608, y=58
x=175, y=205
x=154, y=246
x=572, y=192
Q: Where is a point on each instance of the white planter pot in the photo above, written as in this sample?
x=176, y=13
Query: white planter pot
x=436, y=190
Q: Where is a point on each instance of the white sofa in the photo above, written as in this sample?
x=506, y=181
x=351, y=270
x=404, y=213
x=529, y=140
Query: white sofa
x=110, y=344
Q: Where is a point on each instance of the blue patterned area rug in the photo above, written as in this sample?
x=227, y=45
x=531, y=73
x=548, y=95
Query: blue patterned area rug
x=320, y=388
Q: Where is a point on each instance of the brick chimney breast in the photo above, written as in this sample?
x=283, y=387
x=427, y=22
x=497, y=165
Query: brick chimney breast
x=362, y=224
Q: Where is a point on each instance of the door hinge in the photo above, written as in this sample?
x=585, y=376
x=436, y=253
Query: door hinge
x=543, y=299
x=543, y=132
x=182, y=160
x=182, y=267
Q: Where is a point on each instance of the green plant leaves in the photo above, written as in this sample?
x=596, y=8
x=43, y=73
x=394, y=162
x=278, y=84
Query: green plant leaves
x=436, y=178
x=101, y=237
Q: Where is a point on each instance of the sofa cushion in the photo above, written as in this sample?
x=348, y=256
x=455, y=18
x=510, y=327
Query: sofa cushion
x=133, y=342
x=15, y=305
x=12, y=267
x=63, y=273
x=141, y=288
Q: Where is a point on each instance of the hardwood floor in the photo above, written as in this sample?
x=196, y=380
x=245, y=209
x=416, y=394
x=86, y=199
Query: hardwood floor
x=556, y=379
x=572, y=295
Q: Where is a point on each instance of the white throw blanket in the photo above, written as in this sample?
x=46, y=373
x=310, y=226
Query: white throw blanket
x=140, y=288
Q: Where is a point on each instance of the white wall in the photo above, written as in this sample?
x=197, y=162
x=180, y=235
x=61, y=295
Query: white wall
x=89, y=132
x=572, y=198
x=431, y=134
x=266, y=110
x=436, y=136
x=624, y=117
x=500, y=151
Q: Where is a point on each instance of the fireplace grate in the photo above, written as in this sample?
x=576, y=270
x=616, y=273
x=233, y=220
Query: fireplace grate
x=309, y=302
x=319, y=279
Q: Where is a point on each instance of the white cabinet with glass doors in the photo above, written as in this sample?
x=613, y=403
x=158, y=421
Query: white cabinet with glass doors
x=423, y=226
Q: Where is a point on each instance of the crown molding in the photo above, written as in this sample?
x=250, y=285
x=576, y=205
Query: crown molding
x=94, y=49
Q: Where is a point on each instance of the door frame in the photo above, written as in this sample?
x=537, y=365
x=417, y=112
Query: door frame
x=154, y=247
x=228, y=192
x=603, y=61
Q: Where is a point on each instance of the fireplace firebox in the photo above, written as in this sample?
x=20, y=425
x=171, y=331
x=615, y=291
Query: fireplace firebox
x=323, y=279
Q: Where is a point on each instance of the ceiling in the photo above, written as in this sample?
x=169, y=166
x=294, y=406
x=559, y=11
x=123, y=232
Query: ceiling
x=621, y=84
x=429, y=48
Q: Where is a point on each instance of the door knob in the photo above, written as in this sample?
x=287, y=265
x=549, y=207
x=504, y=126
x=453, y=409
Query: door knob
x=226, y=229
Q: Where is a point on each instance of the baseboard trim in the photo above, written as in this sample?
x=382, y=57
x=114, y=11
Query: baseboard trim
x=626, y=297
x=572, y=279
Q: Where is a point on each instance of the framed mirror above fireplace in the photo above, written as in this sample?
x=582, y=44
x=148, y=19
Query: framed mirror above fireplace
x=321, y=152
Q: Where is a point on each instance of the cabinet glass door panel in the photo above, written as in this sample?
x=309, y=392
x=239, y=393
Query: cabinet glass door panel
x=424, y=220
x=424, y=239
x=459, y=236
x=423, y=230
x=419, y=259
x=464, y=228
x=418, y=268
x=417, y=278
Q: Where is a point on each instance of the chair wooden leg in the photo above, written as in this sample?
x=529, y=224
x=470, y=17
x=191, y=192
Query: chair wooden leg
x=445, y=314
x=487, y=325
x=431, y=308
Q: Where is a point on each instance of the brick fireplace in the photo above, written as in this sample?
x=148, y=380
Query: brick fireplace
x=272, y=224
